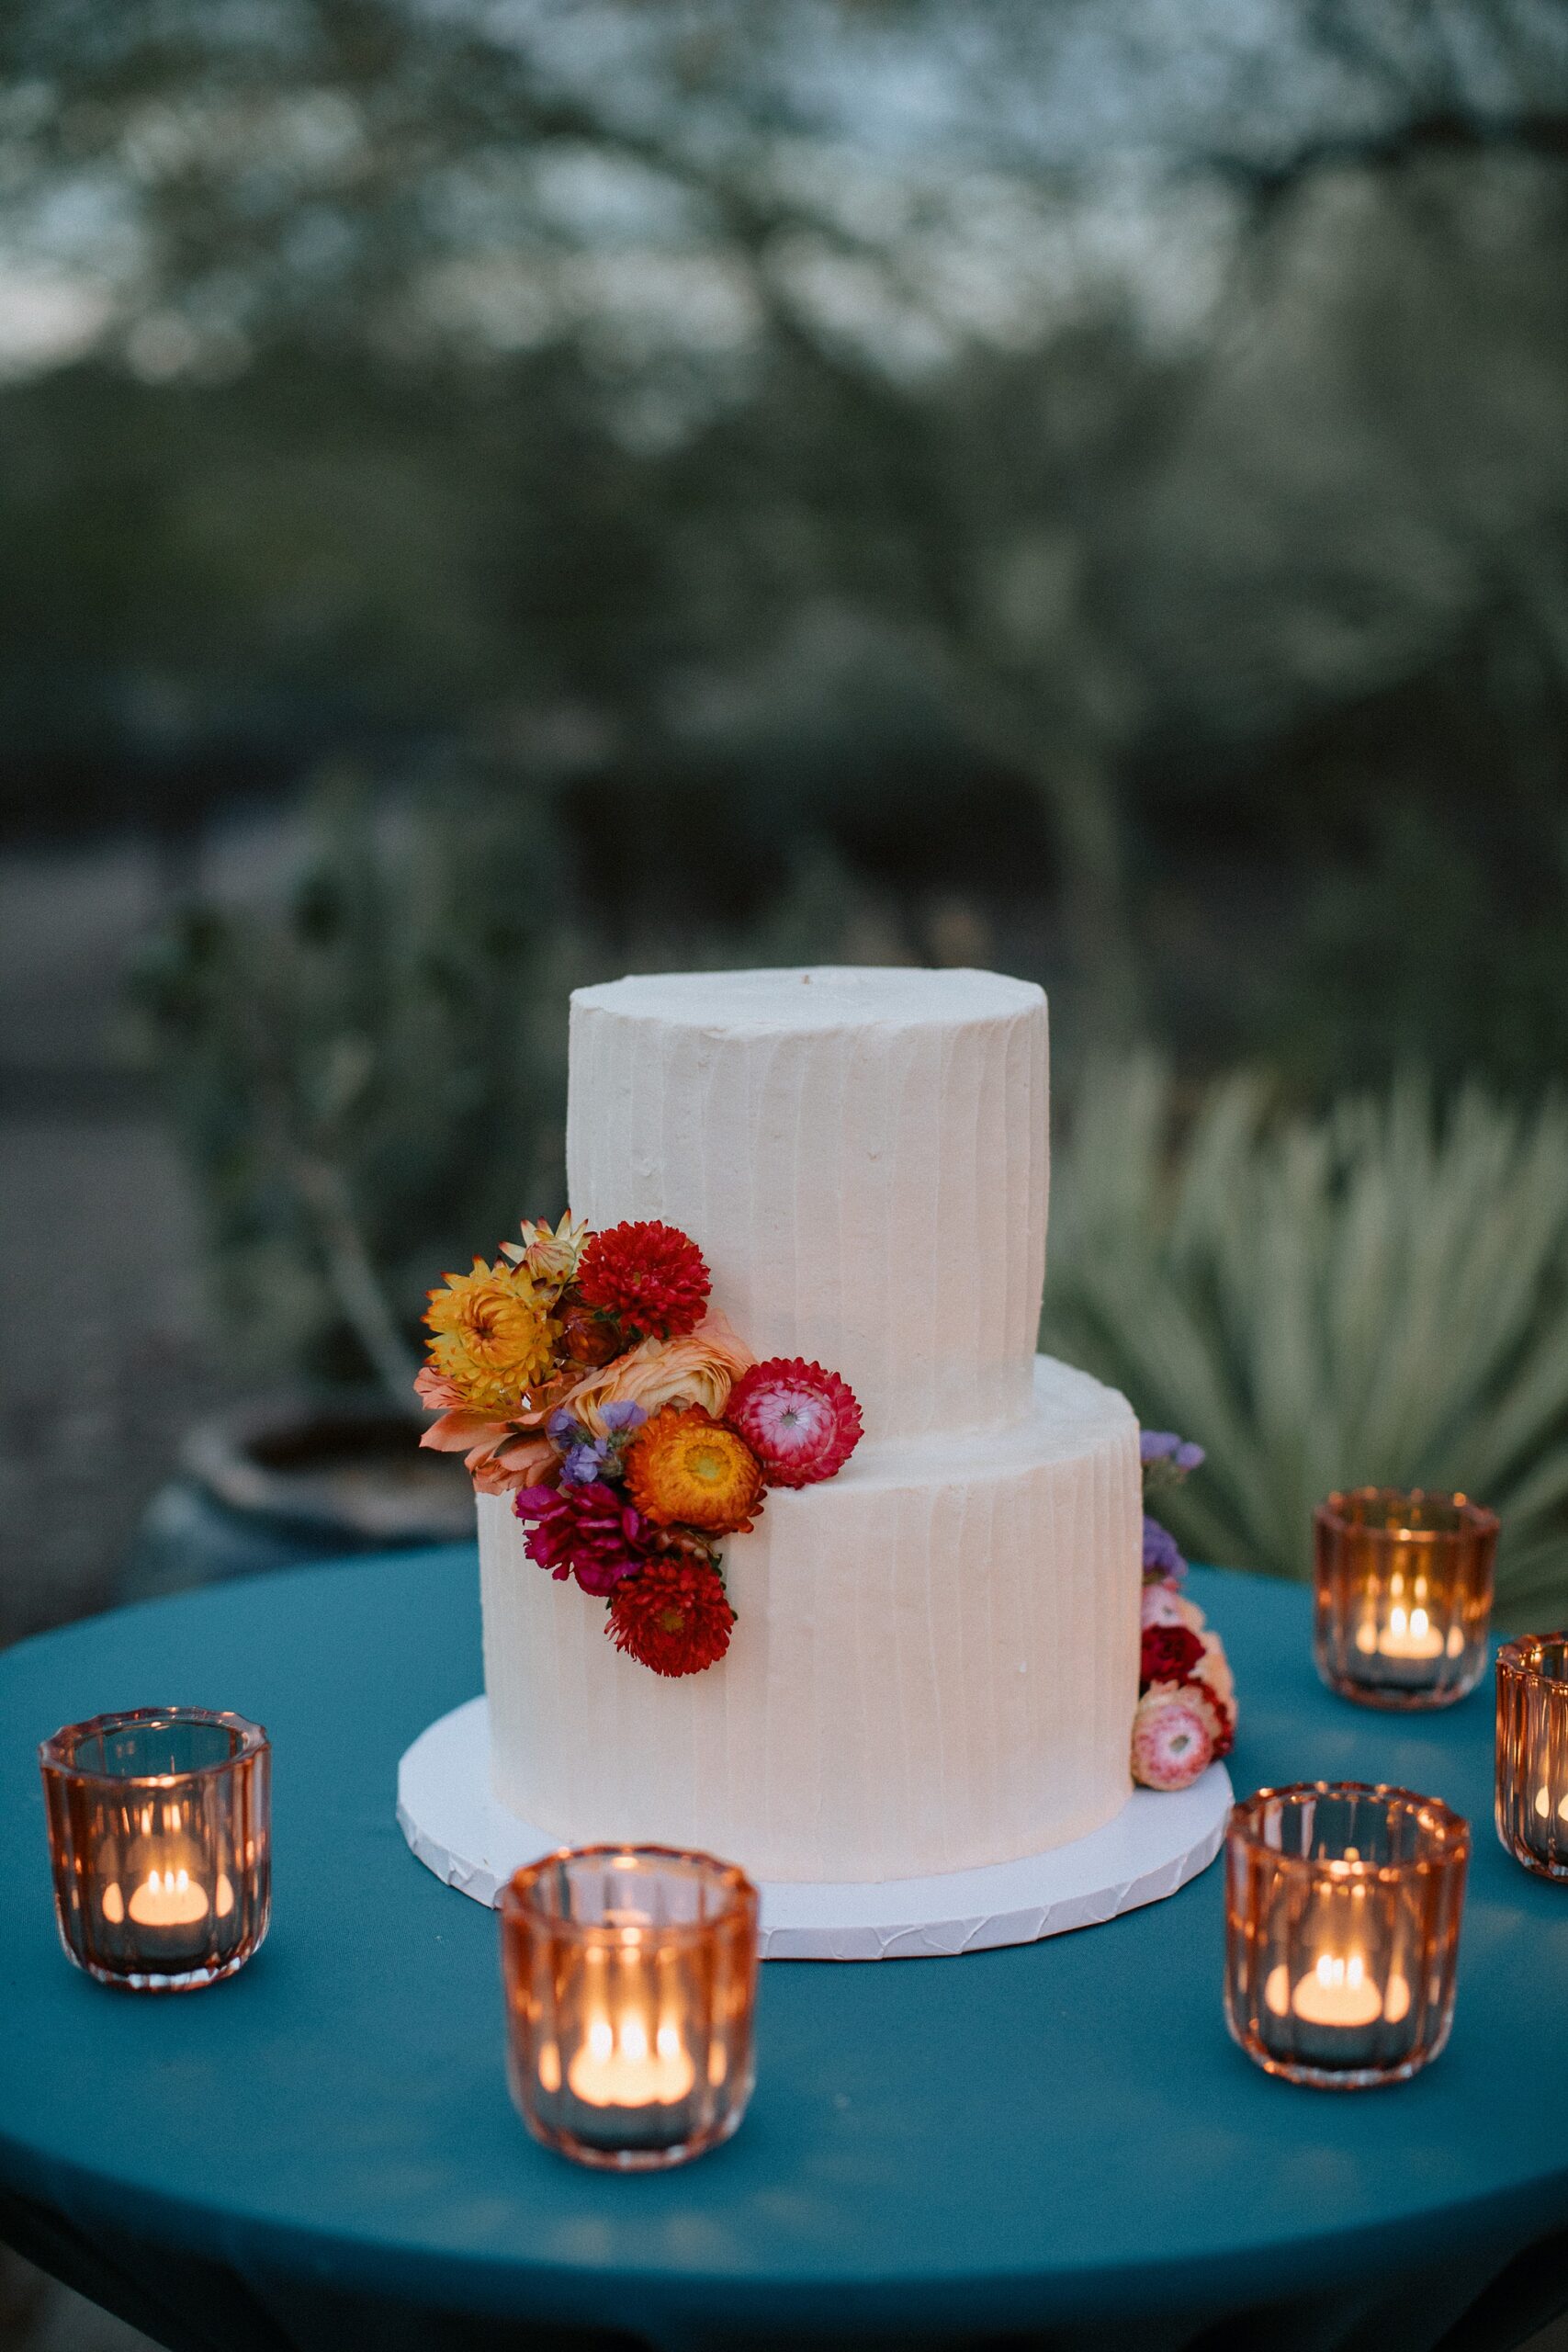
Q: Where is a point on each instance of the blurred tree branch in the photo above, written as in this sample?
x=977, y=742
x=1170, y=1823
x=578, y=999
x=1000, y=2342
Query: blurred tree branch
x=1086, y=526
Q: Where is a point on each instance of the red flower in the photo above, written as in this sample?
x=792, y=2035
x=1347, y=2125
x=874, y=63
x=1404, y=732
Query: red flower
x=673, y=1616
x=1169, y=1654
x=650, y=1276
x=587, y=1531
x=801, y=1423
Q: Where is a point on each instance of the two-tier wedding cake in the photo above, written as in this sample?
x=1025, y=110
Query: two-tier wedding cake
x=935, y=1657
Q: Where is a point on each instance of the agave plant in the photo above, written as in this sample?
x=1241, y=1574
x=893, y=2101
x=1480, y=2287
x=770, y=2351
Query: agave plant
x=1379, y=1294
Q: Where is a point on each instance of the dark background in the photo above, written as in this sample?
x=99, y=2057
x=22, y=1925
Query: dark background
x=492, y=496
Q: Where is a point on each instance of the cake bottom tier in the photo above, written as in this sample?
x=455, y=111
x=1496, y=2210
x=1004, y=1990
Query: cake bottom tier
x=935, y=1666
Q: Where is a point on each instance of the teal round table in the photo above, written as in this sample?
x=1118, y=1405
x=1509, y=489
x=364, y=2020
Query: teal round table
x=1054, y=2145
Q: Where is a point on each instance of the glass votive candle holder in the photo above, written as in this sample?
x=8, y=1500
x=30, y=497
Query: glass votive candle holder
x=1403, y=1584
x=631, y=1982
x=160, y=1837
x=1532, y=1752
x=1342, y=1918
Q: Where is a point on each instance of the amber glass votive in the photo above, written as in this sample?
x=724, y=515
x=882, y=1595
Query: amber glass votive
x=1404, y=1595
x=631, y=1979
x=1342, y=1917
x=160, y=1837
x=1532, y=1752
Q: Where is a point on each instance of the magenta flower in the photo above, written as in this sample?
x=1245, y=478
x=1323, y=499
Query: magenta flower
x=586, y=1532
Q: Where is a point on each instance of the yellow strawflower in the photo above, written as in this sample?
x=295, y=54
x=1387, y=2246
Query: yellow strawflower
x=493, y=1336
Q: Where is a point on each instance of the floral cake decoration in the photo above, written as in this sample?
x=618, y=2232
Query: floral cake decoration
x=1186, y=1715
x=586, y=1374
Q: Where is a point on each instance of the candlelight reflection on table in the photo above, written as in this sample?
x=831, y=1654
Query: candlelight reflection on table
x=1403, y=1585
x=160, y=1840
x=1532, y=1752
x=1342, y=1914
x=630, y=1976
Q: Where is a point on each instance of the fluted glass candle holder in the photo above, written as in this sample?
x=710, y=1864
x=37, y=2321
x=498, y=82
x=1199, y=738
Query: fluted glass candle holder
x=631, y=1979
x=1342, y=1917
x=159, y=1839
x=1403, y=1585
x=1532, y=1752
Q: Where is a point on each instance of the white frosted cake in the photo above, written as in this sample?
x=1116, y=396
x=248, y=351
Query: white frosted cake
x=935, y=1663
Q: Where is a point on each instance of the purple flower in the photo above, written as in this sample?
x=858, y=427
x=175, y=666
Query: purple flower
x=1161, y=1557
x=580, y=1465
x=1166, y=1458
x=562, y=1428
x=622, y=1415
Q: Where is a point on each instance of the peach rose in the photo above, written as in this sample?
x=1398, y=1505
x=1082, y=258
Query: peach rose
x=699, y=1369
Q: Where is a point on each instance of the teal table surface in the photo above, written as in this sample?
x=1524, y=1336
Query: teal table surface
x=1055, y=2145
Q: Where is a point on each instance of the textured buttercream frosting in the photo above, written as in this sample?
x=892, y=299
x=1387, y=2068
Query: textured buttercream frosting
x=861, y=1156
x=935, y=1663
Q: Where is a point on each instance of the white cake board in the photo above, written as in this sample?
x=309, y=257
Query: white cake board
x=459, y=1829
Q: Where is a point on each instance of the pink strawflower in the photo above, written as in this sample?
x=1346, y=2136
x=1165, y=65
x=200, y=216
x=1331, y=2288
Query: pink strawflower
x=587, y=1531
x=801, y=1423
x=1175, y=1735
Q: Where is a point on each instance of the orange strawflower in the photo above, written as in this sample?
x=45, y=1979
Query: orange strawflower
x=684, y=1467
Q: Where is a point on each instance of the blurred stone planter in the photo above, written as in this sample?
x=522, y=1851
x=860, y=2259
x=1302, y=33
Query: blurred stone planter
x=282, y=1481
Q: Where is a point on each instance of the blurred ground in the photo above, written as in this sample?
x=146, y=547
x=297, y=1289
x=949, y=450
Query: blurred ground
x=40, y=2316
x=97, y=1278
x=97, y=1248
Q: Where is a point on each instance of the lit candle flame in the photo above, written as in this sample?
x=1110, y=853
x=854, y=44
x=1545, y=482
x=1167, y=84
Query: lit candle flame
x=1410, y=1633
x=169, y=1898
x=1337, y=1991
x=617, y=2066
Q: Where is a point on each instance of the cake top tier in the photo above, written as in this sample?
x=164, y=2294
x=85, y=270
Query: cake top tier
x=816, y=997
x=860, y=1154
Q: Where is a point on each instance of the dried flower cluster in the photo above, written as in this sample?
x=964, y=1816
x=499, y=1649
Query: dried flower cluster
x=587, y=1375
x=1187, y=1695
